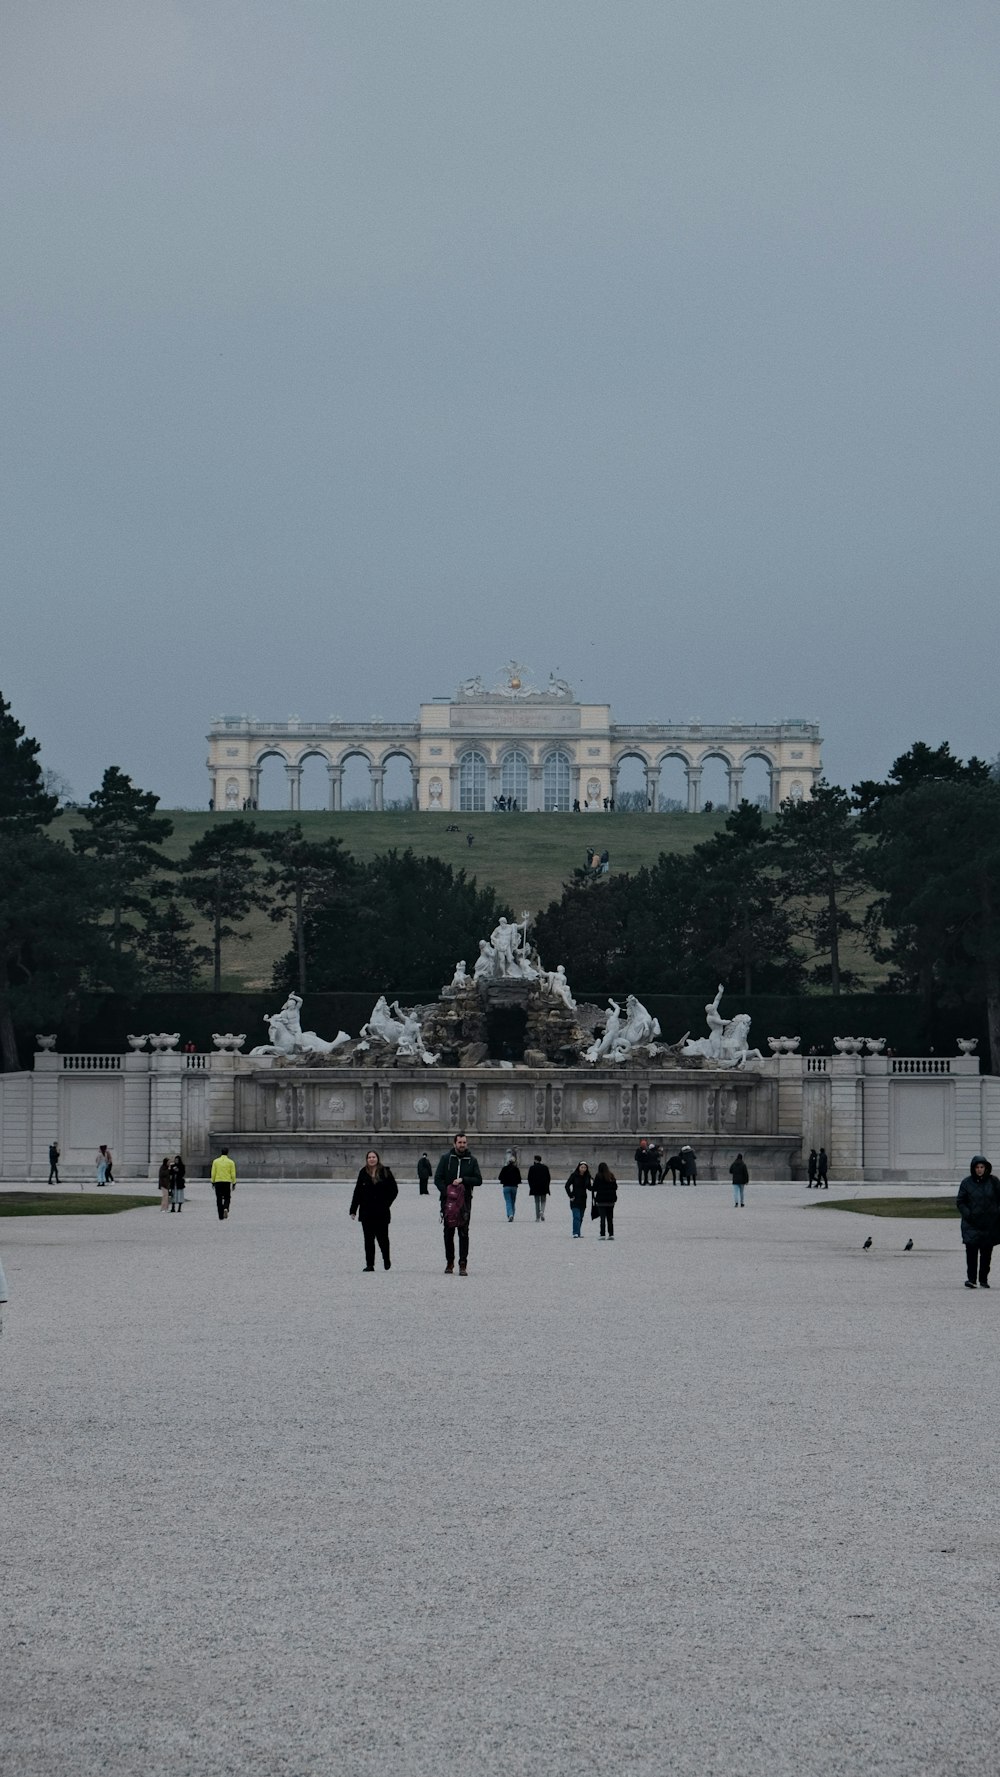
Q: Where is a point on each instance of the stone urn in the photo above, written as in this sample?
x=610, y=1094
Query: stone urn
x=966, y=1045
x=137, y=1043
x=229, y=1044
x=848, y=1045
x=783, y=1045
x=166, y=1040
x=875, y=1045
x=46, y=1045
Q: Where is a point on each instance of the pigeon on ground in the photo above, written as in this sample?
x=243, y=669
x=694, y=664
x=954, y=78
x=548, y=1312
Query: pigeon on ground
x=908, y=1248
x=867, y=1244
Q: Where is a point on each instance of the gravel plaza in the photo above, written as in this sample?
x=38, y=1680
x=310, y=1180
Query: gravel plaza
x=717, y=1498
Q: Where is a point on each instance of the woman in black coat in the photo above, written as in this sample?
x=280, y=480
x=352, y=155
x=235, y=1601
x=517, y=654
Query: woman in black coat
x=374, y=1195
x=577, y=1186
x=605, y=1198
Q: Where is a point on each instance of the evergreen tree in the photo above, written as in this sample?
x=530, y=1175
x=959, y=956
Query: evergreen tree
x=821, y=862
x=25, y=804
x=303, y=874
x=122, y=832
x=396, y=924
x=585, y=930
x=936, y=865
x=52, y=941
x=221, y=879
x=739, y=928
x=171, y=957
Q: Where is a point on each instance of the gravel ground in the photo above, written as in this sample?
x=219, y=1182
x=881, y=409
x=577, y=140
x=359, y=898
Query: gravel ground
x=716, y=1498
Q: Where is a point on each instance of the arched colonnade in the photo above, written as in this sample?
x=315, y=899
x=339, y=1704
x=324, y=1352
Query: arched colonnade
x=694, y=762
x=335, y=760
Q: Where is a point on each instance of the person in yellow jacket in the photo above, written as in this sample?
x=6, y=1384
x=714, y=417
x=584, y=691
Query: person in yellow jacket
x=224, y=1182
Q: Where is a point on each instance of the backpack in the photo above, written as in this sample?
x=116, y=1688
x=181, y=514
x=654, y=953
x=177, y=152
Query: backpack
x=453, y=1205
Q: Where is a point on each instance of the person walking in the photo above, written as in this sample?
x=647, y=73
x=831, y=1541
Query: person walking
x=163, y=1181
x=425, y=1172
x=741, y=1178
x=456, y=1176
x=178, y=1181
x=978, y=1204
x=109, y=1177
x=223, y=1182
x=577, y=1186
x=822, y=1165
x=374, y=1195
x=53, y=1163
x=539, y=1180
x=689, y=1165
x=812, y=1168
x=605, y=1198
x=510, y=1178
x=101, y=1164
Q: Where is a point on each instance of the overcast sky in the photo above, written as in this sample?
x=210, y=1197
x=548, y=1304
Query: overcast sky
x=352, y=346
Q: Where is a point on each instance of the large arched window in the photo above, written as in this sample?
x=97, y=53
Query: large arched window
x=514, y=778
x=472, y=783
x=556, y=782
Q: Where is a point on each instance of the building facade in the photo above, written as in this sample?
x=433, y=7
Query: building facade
x=542, y=749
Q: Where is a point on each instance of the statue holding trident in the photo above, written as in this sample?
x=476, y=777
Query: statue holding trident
x=510, y=951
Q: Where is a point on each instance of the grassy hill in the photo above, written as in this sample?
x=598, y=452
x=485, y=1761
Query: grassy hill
x=526, y=857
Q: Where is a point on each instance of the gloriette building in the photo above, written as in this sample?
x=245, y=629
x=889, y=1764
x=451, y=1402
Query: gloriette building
x=540, y=748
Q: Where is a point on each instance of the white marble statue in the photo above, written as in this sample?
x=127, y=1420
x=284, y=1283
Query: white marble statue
x=623, y=1037
x=558, y=986
x=288, y=1038
x=400, y=1030
x=460, y=978
x=512, y=961
x=485, y=965
x=726, y=1043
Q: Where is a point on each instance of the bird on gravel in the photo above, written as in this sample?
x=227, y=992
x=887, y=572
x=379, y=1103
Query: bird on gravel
x=867, y=1244
x=908, y=1248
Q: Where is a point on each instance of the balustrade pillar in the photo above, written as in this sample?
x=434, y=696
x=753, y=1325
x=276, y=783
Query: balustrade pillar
x=652, y=789
x=735, y=785
x=375, y=773
x=294, y=776
x=336, y=777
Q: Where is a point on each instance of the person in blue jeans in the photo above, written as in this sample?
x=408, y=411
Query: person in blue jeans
x=510, y=1178
x=577, y=1186
x=741, y=1178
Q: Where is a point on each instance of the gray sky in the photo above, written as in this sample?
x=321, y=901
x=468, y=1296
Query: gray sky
x=350, y=348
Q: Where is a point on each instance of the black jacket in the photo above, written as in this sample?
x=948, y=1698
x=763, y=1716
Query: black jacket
x=739, y=1173
x=577, y=1186
x=979, y=1205
x=510, y=1174
x=539, y=1179
x=373, y=1197
x=424, y=1170
x=605, y=1190
x=464, y=1166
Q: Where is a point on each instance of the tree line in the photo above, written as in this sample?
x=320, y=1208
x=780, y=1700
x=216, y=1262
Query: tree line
x=908, y=868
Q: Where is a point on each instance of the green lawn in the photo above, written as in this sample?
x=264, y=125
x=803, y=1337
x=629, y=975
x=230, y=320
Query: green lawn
x=923, y=1209
x=68, y=1203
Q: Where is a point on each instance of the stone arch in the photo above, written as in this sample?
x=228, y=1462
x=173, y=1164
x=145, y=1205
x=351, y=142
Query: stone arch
x=557, y=780
x=402, y=792
x=674, y=785
x=260, y=792
x=348, y=789
x=473, y=765
x=747, y=787
x=718, y=789
x=630, y=795
x=320, y=796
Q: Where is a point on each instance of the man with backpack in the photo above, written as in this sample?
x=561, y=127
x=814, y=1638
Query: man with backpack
x=456, y=1177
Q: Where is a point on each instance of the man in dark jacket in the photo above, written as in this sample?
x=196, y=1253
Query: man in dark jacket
x=813, y=1158
x=424, y=1173
x=539, y=1181
x=457, y=1166
x=643, y=1161
x=822, y=1170
x=689, y=1174
x=979, y=1207
x=740, y=1176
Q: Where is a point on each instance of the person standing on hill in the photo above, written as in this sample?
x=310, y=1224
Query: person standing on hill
x=978, y=1205
x=539, y=1180
x=425, y=1172
x=375, y=1192
x=456, y=1176
x=223, y=1182
x=605, y=1198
